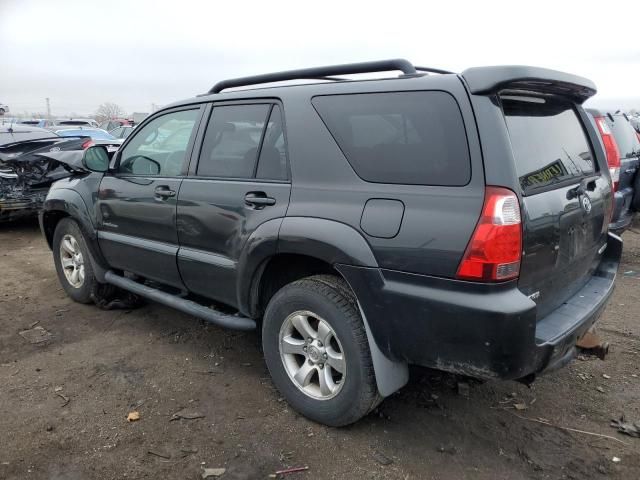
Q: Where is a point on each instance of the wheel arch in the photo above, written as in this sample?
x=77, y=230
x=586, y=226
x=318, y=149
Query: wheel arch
x=292, y=248
x=65, y=203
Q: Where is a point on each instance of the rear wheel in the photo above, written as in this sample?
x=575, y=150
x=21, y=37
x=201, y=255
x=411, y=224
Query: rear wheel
x=317, y=352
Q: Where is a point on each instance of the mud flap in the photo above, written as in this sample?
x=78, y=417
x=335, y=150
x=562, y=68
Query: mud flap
x=390, y=375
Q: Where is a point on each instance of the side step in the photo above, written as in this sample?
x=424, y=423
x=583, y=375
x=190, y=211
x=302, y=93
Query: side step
x=186, y=306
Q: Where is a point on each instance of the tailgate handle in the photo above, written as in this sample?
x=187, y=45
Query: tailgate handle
x=586, y=185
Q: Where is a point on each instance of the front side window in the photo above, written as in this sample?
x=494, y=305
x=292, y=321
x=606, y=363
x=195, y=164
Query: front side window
x=160, y=146
x=232, y=141
x=411, y=138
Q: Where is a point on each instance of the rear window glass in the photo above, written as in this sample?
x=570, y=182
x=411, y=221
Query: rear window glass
x=625, y=136
x=548, y=141
x=413, y=138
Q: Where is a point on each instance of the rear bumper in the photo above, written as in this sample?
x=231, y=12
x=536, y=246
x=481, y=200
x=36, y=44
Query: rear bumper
x=480, y=330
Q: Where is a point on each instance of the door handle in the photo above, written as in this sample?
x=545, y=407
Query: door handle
x=164, y=191
x=258, y=200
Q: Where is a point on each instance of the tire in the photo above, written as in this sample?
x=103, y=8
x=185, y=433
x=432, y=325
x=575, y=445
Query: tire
x=323, y=303
x=66, y=237
x=1, y=111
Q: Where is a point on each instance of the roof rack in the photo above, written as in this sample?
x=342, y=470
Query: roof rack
x=325, y=73
x=433, y=70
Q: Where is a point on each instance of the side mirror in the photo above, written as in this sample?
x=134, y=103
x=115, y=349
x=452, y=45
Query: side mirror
x=96, y=159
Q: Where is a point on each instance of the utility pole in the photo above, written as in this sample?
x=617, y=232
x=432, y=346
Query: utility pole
x=48, y=108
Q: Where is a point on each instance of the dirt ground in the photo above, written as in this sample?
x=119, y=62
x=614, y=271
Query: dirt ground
x=64, y=401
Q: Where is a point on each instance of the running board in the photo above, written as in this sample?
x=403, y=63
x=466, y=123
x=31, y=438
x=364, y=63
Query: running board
x=186, y=306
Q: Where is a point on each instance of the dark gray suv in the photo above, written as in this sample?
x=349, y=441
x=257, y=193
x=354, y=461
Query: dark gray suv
x=454, y=221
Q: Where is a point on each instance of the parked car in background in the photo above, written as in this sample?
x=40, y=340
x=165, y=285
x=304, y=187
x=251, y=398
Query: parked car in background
x=622, y=146
x=95, y=133
x=38, y=122
x=27, y=169
x=109, y=125
x=4, y=108
x=635, y=122
x=16, y=132
x=77, y=122
x=453, y=221
x=122, y=132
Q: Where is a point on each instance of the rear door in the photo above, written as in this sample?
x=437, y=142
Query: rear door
x=565, y=198
x=239, y=182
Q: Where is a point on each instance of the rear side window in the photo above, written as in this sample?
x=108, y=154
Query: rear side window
x=272, y=164
x=412, y=138
x=548, y=141
x=232, y=141
x=625, y=136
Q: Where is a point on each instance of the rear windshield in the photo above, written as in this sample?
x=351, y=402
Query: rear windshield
x=625, y=136
x=548, y=141
x=412, y=138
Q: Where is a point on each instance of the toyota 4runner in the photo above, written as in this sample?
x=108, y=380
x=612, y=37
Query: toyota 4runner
x=454, y=221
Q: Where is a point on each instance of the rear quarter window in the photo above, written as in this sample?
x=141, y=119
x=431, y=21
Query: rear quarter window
x=549, y=143
x=412, y=138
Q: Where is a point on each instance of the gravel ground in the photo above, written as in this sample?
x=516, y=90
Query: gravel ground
x=64, y=401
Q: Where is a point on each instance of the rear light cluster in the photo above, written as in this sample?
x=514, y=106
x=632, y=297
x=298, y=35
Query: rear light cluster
x=495, y=249
x=87, y=144
x=611, y=148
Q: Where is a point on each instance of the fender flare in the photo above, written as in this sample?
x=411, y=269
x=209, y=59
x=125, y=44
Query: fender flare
x=73, y=206
x=327, y=240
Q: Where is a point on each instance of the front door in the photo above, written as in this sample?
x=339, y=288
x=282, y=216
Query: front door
x=137, y=203
x=240, y=181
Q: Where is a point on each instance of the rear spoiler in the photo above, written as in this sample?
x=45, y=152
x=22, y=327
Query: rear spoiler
x=484, y=80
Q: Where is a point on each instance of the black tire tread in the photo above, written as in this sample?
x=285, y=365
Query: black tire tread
x=338, y=292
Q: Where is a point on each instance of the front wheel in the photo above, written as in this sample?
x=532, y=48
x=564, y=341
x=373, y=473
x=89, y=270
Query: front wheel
x=73, y=264
x=317, y=352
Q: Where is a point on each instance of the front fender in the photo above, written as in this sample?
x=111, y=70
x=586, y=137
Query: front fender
x=64, y=202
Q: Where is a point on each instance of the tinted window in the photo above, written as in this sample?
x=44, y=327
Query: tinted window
x=272, y=164
x=404, y=137
x=548, y=141
x=160, y=147
x=625, y=135
x=231, y=142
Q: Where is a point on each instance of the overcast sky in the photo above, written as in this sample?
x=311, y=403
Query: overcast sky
x=136, y=53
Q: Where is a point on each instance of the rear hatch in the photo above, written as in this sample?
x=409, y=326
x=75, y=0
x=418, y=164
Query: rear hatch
x=566, y=201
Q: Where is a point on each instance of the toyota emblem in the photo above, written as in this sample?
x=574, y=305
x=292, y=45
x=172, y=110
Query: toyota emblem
x=586, y=204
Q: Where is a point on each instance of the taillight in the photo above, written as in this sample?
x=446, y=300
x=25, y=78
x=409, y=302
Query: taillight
x=611, y=149
x=87, y=144
x=495, y=249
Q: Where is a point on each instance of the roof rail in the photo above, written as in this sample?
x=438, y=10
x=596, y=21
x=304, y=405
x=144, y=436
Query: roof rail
x=324, y=73
x=432, y=70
